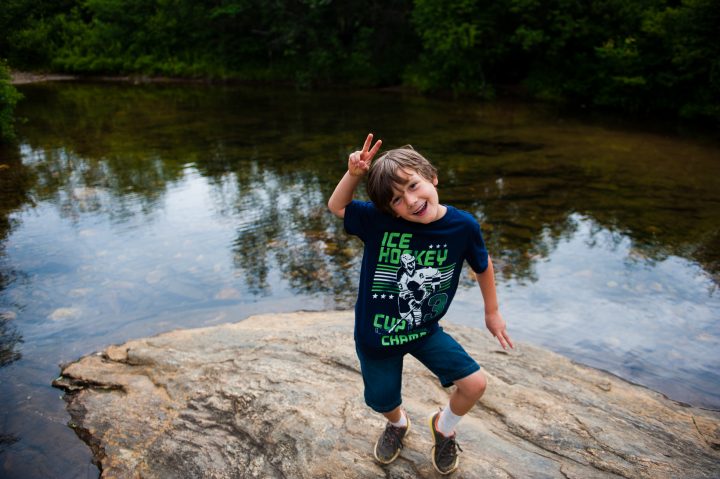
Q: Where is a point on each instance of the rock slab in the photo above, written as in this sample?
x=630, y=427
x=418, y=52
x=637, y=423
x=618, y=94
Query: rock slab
x=280, y=396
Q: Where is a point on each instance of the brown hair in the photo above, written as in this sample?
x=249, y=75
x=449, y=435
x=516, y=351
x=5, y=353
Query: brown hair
x=385, y=174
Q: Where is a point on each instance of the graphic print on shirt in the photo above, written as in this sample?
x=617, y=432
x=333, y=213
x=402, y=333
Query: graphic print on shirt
x=415, y=285
x=413, y=281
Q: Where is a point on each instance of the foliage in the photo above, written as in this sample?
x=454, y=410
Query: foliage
x=460, y=42
x=305, y=41
x=30, y=31
x=641, y=56
x=9, y=97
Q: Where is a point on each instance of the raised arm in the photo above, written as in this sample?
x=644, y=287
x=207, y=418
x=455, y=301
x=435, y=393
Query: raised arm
x=358, y=164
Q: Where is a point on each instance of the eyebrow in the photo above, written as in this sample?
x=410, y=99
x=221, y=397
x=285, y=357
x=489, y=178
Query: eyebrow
x=411, y=177
x=398, y=186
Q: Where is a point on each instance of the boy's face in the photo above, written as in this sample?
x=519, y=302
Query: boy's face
x=416, y=198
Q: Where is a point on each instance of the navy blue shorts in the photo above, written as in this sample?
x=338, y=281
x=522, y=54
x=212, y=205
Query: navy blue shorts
x=440, y=353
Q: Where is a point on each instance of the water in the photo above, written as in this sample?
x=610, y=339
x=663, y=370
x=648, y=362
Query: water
x=131, y=210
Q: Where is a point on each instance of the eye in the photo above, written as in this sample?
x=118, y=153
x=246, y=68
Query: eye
x=395, y=200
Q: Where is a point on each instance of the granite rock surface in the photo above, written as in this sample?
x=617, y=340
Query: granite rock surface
x=280, y=396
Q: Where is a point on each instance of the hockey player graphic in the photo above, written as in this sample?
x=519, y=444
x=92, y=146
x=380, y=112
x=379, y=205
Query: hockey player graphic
x=416, y=285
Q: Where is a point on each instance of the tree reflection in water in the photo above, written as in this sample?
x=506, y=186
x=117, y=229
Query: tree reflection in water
x=15, y=181
x=274, y=156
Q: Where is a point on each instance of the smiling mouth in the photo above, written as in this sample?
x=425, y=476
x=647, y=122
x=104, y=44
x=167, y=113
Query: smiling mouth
x=422, y=210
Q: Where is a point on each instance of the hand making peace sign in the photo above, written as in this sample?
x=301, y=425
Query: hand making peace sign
x=359, y=161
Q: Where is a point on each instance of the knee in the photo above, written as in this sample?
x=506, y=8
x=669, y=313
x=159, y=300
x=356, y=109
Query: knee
x=473, y=386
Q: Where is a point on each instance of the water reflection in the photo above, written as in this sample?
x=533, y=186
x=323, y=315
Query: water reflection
x=287, y=225
x=15, y=182
x=657, y=191
x=114, y=149
x=7, y=440
x=9, y=340
x=131, y=210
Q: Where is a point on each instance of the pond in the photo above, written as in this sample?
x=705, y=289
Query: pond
x=130, y=210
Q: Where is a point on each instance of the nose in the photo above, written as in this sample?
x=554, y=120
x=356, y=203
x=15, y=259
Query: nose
x=410, y=198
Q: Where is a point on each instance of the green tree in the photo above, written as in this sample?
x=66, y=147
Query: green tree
x=686, y=60
x=306, y=41
x=461, y=44
x=30, y=32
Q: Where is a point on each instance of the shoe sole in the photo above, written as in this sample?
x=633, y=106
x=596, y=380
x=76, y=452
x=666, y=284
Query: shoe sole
x=431, y=424
x=388, y=461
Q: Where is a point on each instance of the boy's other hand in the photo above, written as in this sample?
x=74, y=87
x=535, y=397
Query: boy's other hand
x=359, y=161
x=496, y=325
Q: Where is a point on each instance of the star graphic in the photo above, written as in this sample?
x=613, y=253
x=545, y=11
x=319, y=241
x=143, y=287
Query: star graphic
x=382, y=296
x=445, y=245
x=392, y=296
x=374, y=296
x=430, y=246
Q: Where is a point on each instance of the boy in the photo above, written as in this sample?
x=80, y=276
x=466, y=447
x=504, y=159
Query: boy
x=412, y=261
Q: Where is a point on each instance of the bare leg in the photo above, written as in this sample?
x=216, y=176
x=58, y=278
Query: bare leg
x=394, y=415
x=467, y=392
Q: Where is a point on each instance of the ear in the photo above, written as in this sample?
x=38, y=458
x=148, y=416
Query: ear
x=435, y=180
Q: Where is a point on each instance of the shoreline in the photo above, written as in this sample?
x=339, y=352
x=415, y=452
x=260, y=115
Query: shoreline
x=24, y=78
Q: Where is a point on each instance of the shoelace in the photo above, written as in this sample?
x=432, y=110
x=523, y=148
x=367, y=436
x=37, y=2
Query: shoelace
x=394, y=435
x=447, y=448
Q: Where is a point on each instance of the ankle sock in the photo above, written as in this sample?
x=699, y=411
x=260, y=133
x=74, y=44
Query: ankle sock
x=447, y=421
x=402, y=422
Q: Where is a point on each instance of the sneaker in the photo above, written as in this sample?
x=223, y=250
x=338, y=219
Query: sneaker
x=445, y=449
x=388, y=447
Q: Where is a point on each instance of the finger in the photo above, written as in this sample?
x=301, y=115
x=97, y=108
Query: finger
x=501, y=340
x=504, y=339
x=509, y=341
x=368, y=141
x=355, y=158
x=375, y=148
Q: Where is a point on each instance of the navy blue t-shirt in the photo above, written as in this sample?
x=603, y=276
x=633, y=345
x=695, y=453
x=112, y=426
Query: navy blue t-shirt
x=409, y=275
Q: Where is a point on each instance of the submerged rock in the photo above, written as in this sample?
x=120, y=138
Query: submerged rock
x=281, y=396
